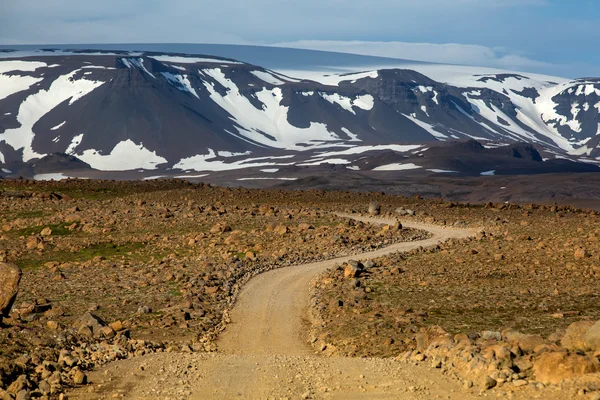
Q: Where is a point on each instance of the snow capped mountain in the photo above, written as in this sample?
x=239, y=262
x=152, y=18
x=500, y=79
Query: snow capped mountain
x=131, y=110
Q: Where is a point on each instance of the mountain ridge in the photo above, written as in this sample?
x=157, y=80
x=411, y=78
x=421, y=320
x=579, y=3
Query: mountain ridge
x=131, y=111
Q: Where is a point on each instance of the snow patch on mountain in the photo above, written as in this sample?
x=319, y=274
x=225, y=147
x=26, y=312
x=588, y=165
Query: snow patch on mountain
x=266, y=77
x=136, y=62
x=268, y=126
x=192, y=60
x=76, y=141
x=397, y=167
x=10, y=85
x=337, y=161
x=353, y=137
x=428, y=127
x=587, y=90
x=442, y=171
x=548, y=110
x=208, y=162
x=331, y=79
x=125, y=156
x=365, y=102
x=181, y=82
x=58, y=126
x=19, y=65
x=400, y=148
x=56, y=176
x=96, y=67
x=222, y=153
x=39, y=104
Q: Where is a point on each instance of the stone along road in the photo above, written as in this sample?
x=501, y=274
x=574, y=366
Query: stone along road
x=264, y=352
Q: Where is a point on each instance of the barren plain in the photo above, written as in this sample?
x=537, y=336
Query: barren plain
x=170, y=289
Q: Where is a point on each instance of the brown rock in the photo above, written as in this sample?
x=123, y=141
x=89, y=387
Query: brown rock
x=428, y=335
x=592, y=337
x=79, y=378
x=553, y=368
x=581, y=254
x=488, y=383
x=52, y=325
x=10, y=276
x=105, y=331
x=305, y=227
x=220, y=228
x=351, y=271
x=32, y=243
x=211, y=289
x=117, y=326
x=574, y=338
x=46, y=232
x=528, y=343
x=21, y=383
x=90, y=321
x=281, y=230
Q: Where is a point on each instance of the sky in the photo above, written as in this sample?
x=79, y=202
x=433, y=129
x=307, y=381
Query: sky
x=557, y=37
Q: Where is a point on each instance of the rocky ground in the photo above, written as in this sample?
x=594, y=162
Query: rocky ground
x=516, y=305
x=114, y=270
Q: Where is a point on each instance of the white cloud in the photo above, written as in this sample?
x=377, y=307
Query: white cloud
x=449, y=53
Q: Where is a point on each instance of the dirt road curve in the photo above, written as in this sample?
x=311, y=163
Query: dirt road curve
x=272, y=307
x=264, y=353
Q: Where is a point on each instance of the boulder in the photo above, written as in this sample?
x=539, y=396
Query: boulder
x=528, y=343
x=491, y=335
x=592, y=337
x=89, y=320
x=351, y=271
x=488, y=383
x=10, y=276
x=79, y=378
x=427, y=336
x=553, y=368
x=574, y=338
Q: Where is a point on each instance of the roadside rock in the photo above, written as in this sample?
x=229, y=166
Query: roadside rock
x=10, y=276
x=528, y=343
x=553, y=368
x=429, y=335
x=350, y=271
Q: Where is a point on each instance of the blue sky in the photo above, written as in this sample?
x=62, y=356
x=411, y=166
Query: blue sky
x=557, y=37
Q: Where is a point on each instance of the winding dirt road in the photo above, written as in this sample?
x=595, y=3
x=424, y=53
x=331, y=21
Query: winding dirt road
x=272, y=307
x=264, y=354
